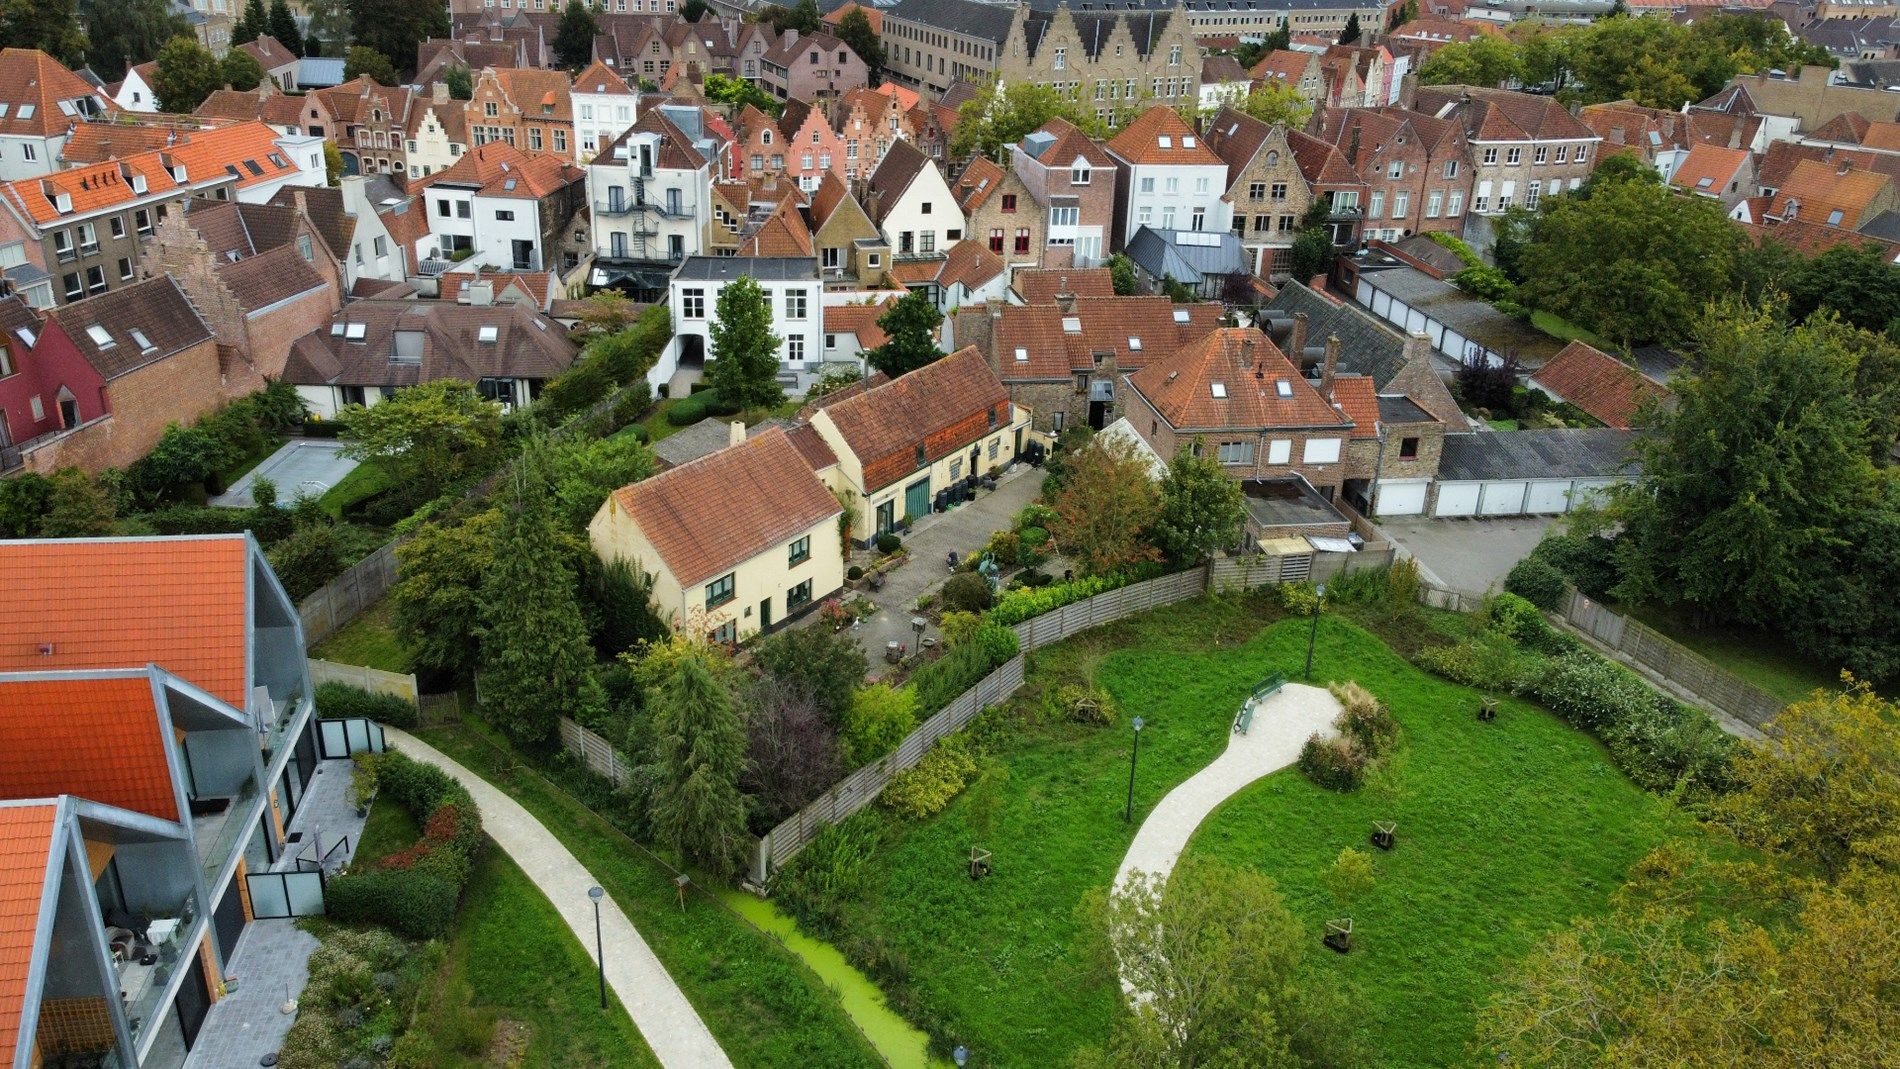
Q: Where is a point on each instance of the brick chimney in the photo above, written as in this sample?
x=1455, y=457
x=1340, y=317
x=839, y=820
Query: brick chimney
x=438, y=92
x=1065, y=300
x=1418, y=348
x=1246, y=350
x=1329, y=368
x=1296, y=345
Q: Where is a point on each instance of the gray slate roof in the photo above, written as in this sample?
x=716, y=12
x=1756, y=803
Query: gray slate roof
x=985, y=21
x=1161, y=254
x=705, y=438
x=1569, y=453
x=728, y=268
x=1398, y=408
x=1366, y=346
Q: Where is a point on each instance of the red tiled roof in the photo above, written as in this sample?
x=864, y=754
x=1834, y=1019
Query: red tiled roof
x=178, y=603
x=1359, y=399
x=860, y=320
x=978, y=181
x=33, y=84
x=969, y=264
x=1603, y=386
x=99, y=739
x=709, y=515
x=1159, y=136
x=811, y=445
x=1039, y=285
x=942, y=406
x=269, y=53
x=872, y=14
x=26, y=843
x=1819, y=190
x=1040, y=341
x=1713, y=164
x=1231, y=378
x=493, y=166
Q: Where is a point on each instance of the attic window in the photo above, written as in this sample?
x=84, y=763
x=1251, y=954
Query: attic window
x=1220, y=390
x=1165, y=141
x=1022, y=354
x=1071, y=324
x=509, y=184
x=27, y=110
x=488, y=334
x=26, y=335
x=336, y=330
x=1283, y=387
x=1181, y=316
x=3, y=110
x=100, y=336
x=1834, y=217
x=144, y=343
x=1134, y=344
x=355, y=331
x=1188, y=142
x=1704, y=183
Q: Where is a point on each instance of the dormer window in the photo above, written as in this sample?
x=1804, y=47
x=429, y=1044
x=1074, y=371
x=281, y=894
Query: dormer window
x=1079, y=175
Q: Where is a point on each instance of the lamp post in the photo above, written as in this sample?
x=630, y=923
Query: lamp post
x=1134, y=755
x=600, y=948
x=1313, y=635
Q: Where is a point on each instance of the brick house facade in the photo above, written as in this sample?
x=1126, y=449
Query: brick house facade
x=1417, y=168
x=1001, y=214
x=1265, y=186
x=1112, y=62
x=1522, y=146
x=1072, y=179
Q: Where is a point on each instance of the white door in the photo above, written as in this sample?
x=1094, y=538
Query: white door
x=1549, y=496
x=1502, y=498
x=1402, y=499
x=1457, y=499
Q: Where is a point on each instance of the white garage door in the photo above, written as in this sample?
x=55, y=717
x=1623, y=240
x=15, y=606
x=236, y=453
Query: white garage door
x=1457, y=499
x=1504, y=498
x=1590, y=491
x=1549, y=496
x=1401, y=499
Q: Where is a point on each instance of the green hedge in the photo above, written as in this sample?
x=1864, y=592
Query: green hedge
x=690, y=410
x=340, y=701
x=415, y=891
x=1656, y=741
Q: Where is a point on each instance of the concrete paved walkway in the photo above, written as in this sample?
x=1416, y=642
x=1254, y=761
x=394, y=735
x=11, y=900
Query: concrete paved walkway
x=659, y=1009
x=1281, y=725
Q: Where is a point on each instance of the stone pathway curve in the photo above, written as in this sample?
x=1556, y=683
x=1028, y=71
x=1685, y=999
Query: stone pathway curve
x=659, y=1009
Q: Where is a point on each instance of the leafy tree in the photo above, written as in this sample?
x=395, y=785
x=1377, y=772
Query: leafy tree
x=826, y=665
x=1279, y=40
x=283, y=26
x=854, y=29
x=881, y=716
x=1350, y=35
x=1217, y=959
x=461, y=85
x=328, y=27
x=426, y=436
x=537, y=659
x=240, y=70
x=1627, y=258
x=122, y=33
x=1854, y=281
x=586, y=471
x=607, y=312
x=24, y=499
x=1349, y=878
x=802, y=16
x=1486, y=60
x=51, y=26
x=1202, y=510
x=738, y=92
x=699, y=750
x=1121, y=273
x=1003, y=116
x=694, y=10
x=186, y=74
x=618, y=600
x=1278, y=103
x=745, y=364
x=364, y=61
x=77, y=506
x=332, y=163
x=393, y=28
x=1485, y=382
x=574, y=40
x=438, y=593
x=1106, y=503
x=252, y=24
x=1311, y=254
x=791, y=750
x=911, y=329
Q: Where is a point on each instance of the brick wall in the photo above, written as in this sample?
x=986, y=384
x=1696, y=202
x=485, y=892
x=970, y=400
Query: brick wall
x=177, y=389
x=1364, y=462
x=268, y=337
x=1326, y=478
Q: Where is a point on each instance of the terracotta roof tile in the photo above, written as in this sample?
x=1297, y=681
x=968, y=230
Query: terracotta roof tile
x=1233, y=378
x=26, y=843
x=859, y=320
x=977, y=183
x=1709, y=169
x=1836, y=196
x=178, y=603
x=1160, y=136
x=811, y=445
x=707, y=516
x=1070, y=144
x=942, y=406
x=969, y=264
x=1040, y=341
x=502, y=170
x=91, y=188
x=98, y=738
x=1039, y=285
x=1603, y=386
x=269, y=277
x=269, y=53
x=33, y=85
x=97, y=142
x=1356, y=395
x=155, y=308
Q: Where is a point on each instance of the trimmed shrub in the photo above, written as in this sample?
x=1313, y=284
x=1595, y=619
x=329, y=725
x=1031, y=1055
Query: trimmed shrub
x=1018, y=605
x=854, y=573
x=1518, y=620
x=1537, y=582
x=997, y=642
x=414, y=901
x=1336, y=764
x=415, y=891
x=967, y=592
x=939, y=682
x=926, y=787
x=959, y=627
x=888, y=543
x=340, y=701
x=690, y=410
x=1365, y=718
x=1655, y=740
x=1588, y=561
x=879, y=718
x=1490, y=661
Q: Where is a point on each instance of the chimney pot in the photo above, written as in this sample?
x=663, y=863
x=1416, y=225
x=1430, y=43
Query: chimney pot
x=1246, y=351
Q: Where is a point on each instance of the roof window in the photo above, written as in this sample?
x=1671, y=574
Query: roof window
x=27, y=110
x=1022, y=354
x=1834, y=217
x=488, y=334
x=144, y=343
x=1188, y=142
x=336, y=330
x=1071, y=324
x=1181, y=316
x=1165, y=141
x=1134, y=344
x=355, y=331
x=1283, y=387
x=26, y=335
x=1219, y=389
x=100, y=336
x=1704, y=182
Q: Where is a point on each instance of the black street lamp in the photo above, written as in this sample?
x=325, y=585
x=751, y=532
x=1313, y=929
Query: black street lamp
x=1319, y=599
x=1134, y=755
x=600, y=948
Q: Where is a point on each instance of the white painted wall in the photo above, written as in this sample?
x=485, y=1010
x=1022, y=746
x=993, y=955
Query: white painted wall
x=928, y=213
x=1166, y=196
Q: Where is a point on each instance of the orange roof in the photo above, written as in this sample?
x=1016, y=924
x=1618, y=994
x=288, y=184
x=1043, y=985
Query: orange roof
x=859, y=320
x=709, y=515
x=873, y=15
x=1882, y=135
x=89, y=189
x=1038, y=285
x=99, y=739
x=1825, y=194
x=943, y=406
x=600, y=78
x=1235, y=377
x=1603, y=386
x=26, y=841
x=33, y=85
x=502, y=170
x=905, y=98
x=178, y=603
x=1709, y=169
x=1159, y=136
x=1359, y=399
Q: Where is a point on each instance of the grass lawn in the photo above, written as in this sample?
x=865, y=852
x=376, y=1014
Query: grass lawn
x=1558, y=327
x=656, y=424
x=1506, y=830
x=369, y=640
x=1502, y=424
x=760, y=1003
x=364, y=481
x=515, y=972
x=1760, y=658
x=389, y=828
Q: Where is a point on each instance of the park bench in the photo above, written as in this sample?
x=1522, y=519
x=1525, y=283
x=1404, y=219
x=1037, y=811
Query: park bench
x=1244, y=719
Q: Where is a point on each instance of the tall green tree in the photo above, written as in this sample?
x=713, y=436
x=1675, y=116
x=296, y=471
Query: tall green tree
x=461, y=84
x=537, y=657
x=854, y=29
x=51, y=26
x=77, y=506
x=364, y=61
x=328, y=28
x=253, y=23
x=1486, y=60
x=394, y=27
x=240, y=70
x=694, y=10
x=699, y=751
x=121, y=33
x=283, y=26
x=1311, y=254
x=437, y=599
x=618, y=601
x=426, y=436
x=186, y=74
x=997, y=117
x=1277, y=103
x=827, y=666
x=574, y=40
x=1855, y=282
x=910, y=328
x=1121, y=275
x=1280, y=39
x=1350, y=35
x=1202, y=510
x=1105, y=507
x=745, y=361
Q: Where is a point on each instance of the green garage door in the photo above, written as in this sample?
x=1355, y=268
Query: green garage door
x=917, y=500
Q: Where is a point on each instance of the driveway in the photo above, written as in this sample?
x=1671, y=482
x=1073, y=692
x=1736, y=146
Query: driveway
x=302, y=466
x=964, y=530
x=1470, y=556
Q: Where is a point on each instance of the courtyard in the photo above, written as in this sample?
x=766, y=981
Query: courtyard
x=1469, y=556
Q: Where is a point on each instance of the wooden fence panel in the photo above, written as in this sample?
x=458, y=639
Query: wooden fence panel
x=1671, y=660
x=337, y=602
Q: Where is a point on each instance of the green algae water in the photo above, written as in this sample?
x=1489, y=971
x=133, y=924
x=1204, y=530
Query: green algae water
x=902, y=1045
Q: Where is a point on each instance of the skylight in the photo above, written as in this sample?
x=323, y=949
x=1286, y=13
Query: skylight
x=26, y=335
x=336, y=330
x=1134, y=344
x=355, y=331
x=3, y=110
x=100, y=336
x=144, y=343
x=1187, y=142
x=1704, y=182
x=1165, y=141
x=27, y=110
x=1220, y=390
x=488, y=334
x=1283, y=387
x=1071, y=324
x=1181, y=316
x=1022, y=354
x=1834, y=217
